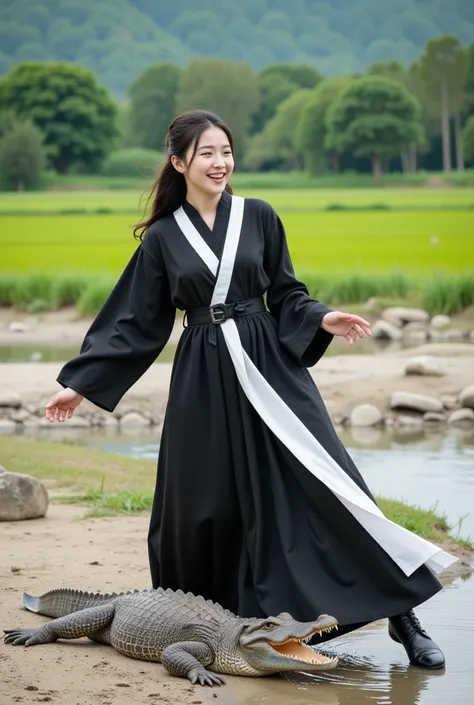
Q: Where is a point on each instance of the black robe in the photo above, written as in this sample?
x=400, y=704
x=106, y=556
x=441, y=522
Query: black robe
x=236, y=518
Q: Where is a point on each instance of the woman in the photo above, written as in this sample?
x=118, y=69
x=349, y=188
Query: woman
x=257, y=505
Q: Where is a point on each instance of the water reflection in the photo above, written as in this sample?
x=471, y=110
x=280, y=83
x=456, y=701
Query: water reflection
x=373, y=669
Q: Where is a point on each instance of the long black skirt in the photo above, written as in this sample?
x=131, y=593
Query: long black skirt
x=237, y=519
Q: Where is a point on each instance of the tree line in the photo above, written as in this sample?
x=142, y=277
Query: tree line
x=284, y=117
x=118, y=39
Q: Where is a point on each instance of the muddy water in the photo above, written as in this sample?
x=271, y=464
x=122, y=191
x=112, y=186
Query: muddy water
x=373, y=669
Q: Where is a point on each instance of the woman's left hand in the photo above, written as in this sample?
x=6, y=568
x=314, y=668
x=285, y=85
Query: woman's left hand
x=347, y=325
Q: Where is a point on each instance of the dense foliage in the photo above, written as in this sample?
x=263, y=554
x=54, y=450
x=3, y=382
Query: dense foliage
x=75, y=114
x=120, y=38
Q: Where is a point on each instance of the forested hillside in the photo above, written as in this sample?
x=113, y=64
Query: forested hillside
x=119, y=38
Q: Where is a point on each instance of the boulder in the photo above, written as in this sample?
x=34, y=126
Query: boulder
x=423, y=365
x=365, y=415
x=466, y=397
x=449, y=401
x=19, y=327
x=400, y=316
x=21, y=497
x=10, y=400
x=433, y=417
x=440, y=321
x=133, y=418
x=461, y=417
x=415, y=402
x=409, y=422
x=383, y=330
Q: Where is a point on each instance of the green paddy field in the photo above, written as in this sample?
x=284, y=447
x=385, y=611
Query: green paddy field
x=417, y=231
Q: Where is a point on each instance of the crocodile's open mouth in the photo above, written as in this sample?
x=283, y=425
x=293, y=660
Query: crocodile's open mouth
x=297, y=649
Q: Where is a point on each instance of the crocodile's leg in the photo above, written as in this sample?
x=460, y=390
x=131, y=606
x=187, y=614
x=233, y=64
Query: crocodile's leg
x=188, y=659
x=83, y=623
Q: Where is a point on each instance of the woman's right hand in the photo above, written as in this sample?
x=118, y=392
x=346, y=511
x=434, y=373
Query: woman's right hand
x=61, y=405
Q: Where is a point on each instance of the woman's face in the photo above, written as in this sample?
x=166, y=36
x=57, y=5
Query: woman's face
x=213, y=163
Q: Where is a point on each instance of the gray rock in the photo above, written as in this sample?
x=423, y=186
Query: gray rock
x=461, y=417
x=466, y=398
x=449, y=401
x=398, y=315
x=10, y=399
x=434, y=417
x=440, y=321
x=19, y=327
x=415, y=402
x=453, y=334
x=424, y=365
x=408, y=421
x=21, y=497
x=365, y=415
x=133, y=418
x=384, y=330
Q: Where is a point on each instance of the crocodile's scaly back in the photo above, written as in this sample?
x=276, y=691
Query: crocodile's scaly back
x=59, y=603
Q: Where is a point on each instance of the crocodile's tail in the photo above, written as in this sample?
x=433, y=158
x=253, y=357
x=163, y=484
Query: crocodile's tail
x=58, y=603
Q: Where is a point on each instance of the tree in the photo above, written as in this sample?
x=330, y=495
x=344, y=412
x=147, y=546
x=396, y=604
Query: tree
x=468, y=139
x=22, y=157
x=225, y=87
x=410, y=77
x=276, y=146
x=75, y=114
x=152, y=105
x=303, y=76
x=311, y=130
x=374, y=117
x=444, y=71
x=276, y=83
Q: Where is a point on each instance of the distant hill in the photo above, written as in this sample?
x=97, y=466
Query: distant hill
x=119, y=38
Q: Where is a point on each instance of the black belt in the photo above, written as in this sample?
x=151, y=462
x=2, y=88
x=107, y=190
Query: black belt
x=219, y=313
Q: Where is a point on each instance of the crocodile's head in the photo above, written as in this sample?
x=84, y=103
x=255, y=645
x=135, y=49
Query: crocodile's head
x=279, y=644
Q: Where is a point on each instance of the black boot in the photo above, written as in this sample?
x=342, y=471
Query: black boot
x=421, y=649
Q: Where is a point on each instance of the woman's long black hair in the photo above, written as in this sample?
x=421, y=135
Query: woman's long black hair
x=169, y=190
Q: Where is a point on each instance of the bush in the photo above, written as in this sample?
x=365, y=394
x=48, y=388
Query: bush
x=68, y=289
x=357, y=287
x=449, y=293
x=32, y=287
x=138, y=162
x=95, y=296
x=22, y=157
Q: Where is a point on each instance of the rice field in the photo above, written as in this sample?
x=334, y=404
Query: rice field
x=132, y=201
x=416, y=242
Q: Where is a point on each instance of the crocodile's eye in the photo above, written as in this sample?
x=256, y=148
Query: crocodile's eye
x=270, y=625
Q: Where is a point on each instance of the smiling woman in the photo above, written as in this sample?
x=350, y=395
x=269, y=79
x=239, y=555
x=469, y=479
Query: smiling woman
x=253, y=483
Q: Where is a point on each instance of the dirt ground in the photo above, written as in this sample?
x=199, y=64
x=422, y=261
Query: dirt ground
x=106, y=554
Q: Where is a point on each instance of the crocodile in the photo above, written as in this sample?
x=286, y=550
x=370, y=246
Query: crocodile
x=190, y=636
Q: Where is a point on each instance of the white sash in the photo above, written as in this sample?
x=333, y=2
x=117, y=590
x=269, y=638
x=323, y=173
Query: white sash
x=408, y=550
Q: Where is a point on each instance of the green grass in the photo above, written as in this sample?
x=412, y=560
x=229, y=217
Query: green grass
x=133, y=200
x=110, y=484
x=332, y=242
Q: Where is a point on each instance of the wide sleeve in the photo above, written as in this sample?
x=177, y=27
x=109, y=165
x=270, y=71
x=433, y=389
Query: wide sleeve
x=298, y=316
x=128, y=333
